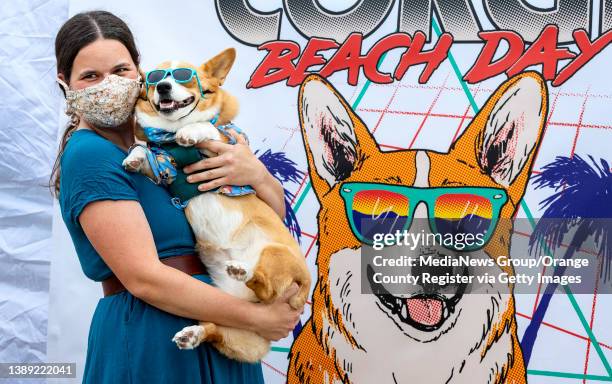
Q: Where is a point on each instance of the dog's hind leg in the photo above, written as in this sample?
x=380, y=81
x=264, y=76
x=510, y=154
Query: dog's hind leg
x=278, y=267
x=237, y=344
x=241, y=345
x=192, y=336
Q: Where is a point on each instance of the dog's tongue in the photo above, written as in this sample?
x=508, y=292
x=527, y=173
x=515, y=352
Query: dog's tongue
x=425, y=311
x=166, y=104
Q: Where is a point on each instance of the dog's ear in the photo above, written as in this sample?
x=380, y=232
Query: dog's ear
x=504, y=136
x=219, y=66
x=143, y=106
x=335, y=139
x=143, y=88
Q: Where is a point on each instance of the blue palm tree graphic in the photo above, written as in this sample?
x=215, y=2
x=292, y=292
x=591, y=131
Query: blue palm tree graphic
x=582, y=204
x=284, y=170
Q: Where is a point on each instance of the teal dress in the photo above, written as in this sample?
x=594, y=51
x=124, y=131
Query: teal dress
x=129, y=340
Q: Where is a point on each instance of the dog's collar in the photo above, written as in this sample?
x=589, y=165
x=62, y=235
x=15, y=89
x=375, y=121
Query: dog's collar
x=157, y=135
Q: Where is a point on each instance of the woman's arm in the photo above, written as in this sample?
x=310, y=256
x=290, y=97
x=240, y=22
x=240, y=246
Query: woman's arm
x=271, y=191
x=237, y=165
x=120, y=233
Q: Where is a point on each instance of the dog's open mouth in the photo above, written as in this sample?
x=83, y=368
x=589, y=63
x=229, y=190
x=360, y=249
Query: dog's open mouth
x=169, y=105
x=424, y=311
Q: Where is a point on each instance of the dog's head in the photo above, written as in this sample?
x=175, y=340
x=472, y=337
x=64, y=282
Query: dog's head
x=176, y=90
x=495, y=151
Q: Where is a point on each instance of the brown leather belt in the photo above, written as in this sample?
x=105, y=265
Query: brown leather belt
x=189, y=264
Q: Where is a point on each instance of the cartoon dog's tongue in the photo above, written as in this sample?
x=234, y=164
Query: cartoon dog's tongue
x=426, y=311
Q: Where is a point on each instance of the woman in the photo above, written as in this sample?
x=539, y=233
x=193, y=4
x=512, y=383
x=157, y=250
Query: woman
x=123, y=226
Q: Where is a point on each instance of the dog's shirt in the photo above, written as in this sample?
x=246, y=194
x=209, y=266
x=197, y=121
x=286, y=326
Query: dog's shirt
x=167, y=160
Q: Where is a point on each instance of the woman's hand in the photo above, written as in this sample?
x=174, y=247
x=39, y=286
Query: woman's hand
x=276, y=320
x=236, y=165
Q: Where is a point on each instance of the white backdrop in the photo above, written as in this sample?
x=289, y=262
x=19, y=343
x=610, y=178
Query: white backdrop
x=29, y=106
x=40, y=276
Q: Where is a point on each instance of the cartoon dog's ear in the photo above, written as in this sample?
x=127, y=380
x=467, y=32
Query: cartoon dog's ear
x=504, y=136
x=219, y=66
x=335, y=139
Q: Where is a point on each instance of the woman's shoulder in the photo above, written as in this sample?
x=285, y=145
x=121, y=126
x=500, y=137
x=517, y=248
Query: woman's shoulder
x=88, y=153
x=91, y=169
x=91, y=158
x=86, y=146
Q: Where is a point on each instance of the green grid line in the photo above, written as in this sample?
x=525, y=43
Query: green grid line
x=299, y=201
x=356, y=103
x=529, y=215
x=280, y=349
x=588, y=330
x=567, y=375
x=453, y=63
x=527, y=211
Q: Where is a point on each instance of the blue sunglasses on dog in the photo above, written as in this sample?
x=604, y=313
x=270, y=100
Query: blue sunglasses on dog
x=180, y=75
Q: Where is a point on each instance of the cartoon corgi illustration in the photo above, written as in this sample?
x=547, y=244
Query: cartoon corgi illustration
x=426, y=335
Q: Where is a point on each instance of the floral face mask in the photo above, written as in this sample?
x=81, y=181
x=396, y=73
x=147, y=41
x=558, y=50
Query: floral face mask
x=107, y=104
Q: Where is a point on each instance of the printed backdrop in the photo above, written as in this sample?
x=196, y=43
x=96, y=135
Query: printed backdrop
x=401, y=115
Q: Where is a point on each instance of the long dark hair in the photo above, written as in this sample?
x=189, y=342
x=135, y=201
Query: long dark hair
x=80, y=30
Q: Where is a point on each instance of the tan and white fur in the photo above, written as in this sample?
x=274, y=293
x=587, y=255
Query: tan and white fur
x=244, y=244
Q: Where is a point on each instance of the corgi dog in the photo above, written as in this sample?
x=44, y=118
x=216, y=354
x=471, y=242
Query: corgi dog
x=247, y=249
x=425, y=334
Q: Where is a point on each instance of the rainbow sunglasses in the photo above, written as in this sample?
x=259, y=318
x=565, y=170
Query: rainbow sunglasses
x=374, y=208
x=180, y=75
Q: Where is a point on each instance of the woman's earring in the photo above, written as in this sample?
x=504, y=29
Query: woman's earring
x=74, y=119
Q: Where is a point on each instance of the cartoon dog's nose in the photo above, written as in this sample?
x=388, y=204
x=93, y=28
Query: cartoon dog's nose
x=164, y=87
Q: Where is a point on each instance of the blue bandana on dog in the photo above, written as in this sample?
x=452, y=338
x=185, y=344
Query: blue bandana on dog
x=158, y=135
x=167, y=160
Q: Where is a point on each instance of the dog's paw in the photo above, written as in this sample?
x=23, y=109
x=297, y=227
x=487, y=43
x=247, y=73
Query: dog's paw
x=193, y=134
x=135, y=160
x=189, y=337
x=236, y=270
x=186, y=139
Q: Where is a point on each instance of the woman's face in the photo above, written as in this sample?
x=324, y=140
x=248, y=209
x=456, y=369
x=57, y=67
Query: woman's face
x=99, y=59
